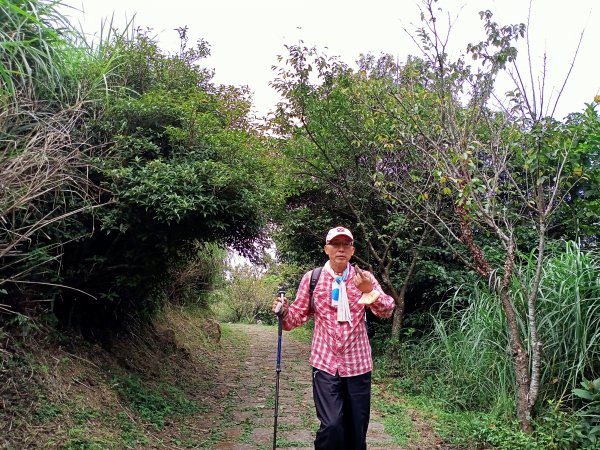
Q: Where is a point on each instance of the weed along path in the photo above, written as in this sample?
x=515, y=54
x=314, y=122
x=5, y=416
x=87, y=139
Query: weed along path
x=247, y=366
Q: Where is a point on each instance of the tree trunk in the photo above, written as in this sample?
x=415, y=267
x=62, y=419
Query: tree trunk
x=400, y=300
x=401, y=297
x=398, y=315
x=536, y=344
x=520, y=357
x=520, y=360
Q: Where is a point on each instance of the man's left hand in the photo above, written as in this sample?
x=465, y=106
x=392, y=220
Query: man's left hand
x=362, y=280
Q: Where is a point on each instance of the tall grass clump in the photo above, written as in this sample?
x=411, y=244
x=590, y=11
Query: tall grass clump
x=569, y=313
x=465, y=359
x=33, y=49
x=47, y=195
x=195, y=271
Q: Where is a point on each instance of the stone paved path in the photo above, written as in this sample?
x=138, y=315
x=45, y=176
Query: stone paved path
x=251, y=383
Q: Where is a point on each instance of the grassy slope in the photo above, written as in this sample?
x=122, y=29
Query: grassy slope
x=139, y=389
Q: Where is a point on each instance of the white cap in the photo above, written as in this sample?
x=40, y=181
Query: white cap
x=338, y=231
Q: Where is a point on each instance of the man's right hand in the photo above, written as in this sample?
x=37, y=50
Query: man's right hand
x=284, y=306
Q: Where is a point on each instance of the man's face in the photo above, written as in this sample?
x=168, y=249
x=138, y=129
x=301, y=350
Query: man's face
x=339, y=250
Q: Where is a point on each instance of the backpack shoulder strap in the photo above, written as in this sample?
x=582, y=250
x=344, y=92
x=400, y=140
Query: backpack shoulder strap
x=314, y=279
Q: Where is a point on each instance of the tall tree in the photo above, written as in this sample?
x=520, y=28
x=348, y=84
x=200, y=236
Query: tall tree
x=337, y=142
x=503, y=173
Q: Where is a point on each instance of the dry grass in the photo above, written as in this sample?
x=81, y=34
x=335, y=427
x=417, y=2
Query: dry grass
x=43, y=172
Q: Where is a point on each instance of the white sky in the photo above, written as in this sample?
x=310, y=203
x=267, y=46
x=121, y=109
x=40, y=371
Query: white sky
x=247, y=35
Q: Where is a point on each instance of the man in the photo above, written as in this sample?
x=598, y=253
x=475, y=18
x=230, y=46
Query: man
x=340, y=352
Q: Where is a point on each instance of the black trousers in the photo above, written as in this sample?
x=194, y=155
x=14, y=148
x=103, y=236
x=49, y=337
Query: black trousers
x=343, y=406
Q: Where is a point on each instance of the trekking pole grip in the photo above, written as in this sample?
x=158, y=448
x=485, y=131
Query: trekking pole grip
x=279, y=307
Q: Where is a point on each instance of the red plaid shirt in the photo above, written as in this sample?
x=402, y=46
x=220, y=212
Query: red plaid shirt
x=341, y=347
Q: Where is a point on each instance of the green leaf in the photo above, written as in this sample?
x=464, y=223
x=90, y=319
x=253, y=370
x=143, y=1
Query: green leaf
x=583, y=394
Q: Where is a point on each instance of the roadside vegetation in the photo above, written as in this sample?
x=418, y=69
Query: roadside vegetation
x=129, y=178
x=463, y=360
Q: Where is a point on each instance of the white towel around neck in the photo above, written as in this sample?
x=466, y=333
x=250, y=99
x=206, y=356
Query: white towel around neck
x=339, y=282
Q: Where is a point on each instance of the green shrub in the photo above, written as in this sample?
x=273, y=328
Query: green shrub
x=587, y=430
x=182, y=167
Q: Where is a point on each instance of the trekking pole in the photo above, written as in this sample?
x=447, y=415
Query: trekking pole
x=279, y=312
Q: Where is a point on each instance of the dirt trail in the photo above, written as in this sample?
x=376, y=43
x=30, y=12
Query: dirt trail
x=250, y=379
